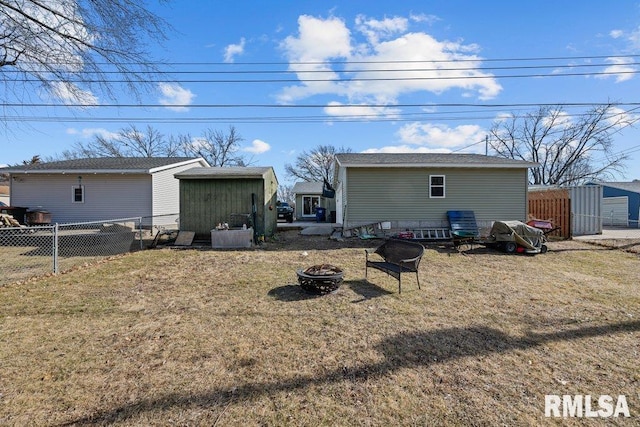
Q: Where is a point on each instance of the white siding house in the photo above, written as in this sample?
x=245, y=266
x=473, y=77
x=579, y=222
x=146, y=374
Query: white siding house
x=97, y=189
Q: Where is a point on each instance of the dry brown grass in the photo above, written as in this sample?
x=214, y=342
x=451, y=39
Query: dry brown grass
x=199, y=337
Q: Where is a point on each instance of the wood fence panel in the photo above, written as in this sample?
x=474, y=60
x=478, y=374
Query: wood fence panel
x=553, y=205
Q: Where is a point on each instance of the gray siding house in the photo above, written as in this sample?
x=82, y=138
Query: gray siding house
x=417, y=190
x=97, y=189
x=307, y=196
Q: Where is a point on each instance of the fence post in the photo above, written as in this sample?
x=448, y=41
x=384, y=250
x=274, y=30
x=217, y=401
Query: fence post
x=140, y=232
x=55, y=248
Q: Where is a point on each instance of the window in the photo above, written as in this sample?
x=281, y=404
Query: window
x=78, y=194
x=436, y=186
x=309, y=205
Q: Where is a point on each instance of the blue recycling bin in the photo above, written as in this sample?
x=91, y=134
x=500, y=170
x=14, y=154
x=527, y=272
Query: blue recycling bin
x=321, y=214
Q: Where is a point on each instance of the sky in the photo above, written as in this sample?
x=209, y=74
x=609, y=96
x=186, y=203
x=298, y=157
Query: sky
x=371, y=76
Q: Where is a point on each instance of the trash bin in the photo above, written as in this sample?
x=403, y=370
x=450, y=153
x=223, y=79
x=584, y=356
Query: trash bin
x=321, y=214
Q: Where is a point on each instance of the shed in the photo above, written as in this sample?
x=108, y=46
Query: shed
x=102, y=188
x=416, y=190
x=621, y=203
x=216, y=195
x=308, y=195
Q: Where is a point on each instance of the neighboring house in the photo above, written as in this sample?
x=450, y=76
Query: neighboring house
x=233, y=195
x=96, y=189
x=621, y=203
x=4, y=194
x=308, y=196
x=416, y=190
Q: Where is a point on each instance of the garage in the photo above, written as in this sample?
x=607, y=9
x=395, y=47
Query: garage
x=615, y=211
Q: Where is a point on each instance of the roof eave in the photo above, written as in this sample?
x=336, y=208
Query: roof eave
x=178, y=164
x=441, y=165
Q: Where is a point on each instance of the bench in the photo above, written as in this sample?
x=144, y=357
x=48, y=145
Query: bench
x=398, y=256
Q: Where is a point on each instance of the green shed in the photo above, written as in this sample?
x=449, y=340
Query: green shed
x=216, y=195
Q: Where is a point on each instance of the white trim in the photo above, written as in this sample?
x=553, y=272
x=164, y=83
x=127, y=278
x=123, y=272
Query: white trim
x=443, y=186
x=73, y=193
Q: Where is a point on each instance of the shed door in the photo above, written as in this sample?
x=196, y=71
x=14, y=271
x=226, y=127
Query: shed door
x=615, y=211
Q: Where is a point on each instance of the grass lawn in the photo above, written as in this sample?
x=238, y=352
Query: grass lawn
x=201, y=337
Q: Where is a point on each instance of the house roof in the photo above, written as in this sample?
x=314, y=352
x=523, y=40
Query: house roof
x=628, y=186
x=306, y=187
x=224, y=172
x=428, y=160
x=119, y=165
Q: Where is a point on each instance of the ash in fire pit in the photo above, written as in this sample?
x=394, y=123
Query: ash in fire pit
x=320, y=279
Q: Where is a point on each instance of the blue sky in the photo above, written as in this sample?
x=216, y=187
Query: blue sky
x=325, y=47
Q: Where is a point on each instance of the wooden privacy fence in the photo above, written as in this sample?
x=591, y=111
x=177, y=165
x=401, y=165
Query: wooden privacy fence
x=554, y=205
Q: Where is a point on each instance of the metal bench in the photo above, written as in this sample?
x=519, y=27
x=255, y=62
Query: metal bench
x=398, y=256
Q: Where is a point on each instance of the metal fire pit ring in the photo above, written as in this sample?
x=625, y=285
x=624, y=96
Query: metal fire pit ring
x=320, y=279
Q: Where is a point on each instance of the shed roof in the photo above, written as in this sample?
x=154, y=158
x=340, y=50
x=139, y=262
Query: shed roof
x=118, y=165
x=224, y=172
x=307, y=187
x=628, y=186
x=428, y=160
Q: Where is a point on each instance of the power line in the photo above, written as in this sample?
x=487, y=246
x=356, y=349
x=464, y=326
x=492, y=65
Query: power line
x=338, y=106
x=337, y=62
x=354, y=70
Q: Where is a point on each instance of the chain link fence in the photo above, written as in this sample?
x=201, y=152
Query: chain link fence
x=32, y=251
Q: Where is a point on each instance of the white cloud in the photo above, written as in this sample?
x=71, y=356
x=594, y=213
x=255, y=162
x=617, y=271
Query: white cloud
x=620, y=69
x=90, y=132
x=257, y=147
x=374, y=29
x=360, y=112
x=436, y=136
x=71, y=94
x=422, y=17
x=616, y=34
x=318, y=40
x=389, y=62
x=174, y=94
x=406, y=149
x=233, y=50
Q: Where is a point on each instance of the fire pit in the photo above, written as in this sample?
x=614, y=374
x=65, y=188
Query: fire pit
x=320, y=279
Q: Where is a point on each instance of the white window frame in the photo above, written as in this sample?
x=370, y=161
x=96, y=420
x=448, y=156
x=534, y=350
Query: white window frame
x=307, y=209
x=432, y=186
x=73, y=193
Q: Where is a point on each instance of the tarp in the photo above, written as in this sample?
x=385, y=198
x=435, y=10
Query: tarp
x=515, y=231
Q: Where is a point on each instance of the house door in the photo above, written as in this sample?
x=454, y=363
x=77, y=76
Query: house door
x=309, y=204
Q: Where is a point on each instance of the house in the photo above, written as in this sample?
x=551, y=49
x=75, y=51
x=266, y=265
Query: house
x=4, y=194
x=233, y=195
x=97, y=189
x=308, y=196
x=621, y=203
x=409, y=191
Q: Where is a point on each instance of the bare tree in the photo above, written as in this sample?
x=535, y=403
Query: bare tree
x=569, y=150
x=71, y=47
x=216, y=147
x=315, y=165
x=127, y=142
x=285, y=194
